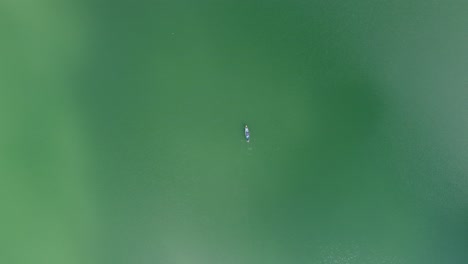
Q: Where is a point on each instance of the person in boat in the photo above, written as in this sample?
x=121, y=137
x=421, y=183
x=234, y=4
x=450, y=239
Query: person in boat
x=247, y=133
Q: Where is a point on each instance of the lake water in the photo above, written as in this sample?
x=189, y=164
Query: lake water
x=122, y=132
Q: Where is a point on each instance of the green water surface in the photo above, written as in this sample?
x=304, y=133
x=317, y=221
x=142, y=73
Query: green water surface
x=121, y=137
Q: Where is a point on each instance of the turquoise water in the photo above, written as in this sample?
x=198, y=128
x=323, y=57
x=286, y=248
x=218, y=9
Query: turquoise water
x=122, y=132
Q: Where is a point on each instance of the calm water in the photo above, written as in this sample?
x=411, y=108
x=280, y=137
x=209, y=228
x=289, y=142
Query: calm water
x=121, y=138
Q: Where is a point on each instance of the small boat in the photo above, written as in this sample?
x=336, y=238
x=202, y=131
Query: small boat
x=247, y=133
